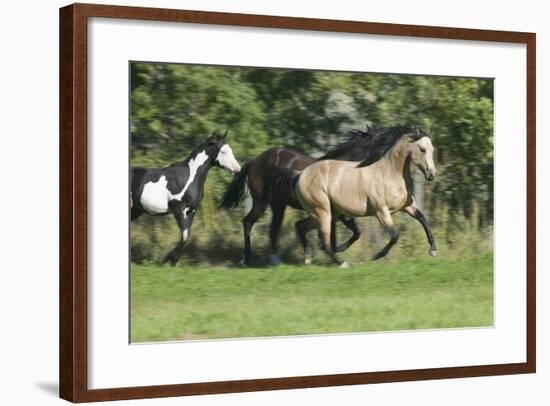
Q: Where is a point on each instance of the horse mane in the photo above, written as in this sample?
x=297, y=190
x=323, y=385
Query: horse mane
x=384, y=139
x=215, y=138
x=352, y=148
x=201, y=147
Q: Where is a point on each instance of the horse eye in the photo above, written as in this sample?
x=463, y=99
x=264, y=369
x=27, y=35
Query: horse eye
x=423, y=150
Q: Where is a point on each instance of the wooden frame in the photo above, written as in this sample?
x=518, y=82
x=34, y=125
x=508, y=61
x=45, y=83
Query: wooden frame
x=73, y=202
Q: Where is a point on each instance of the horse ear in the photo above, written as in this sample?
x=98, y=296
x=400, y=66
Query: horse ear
x=212, y=139
x=225, y=134
x=430, y=132
x=417, y=131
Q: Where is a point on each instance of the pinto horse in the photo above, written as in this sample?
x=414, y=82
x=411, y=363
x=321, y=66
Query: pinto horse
x=256, y=178
x=179, y=188
x=380, y=186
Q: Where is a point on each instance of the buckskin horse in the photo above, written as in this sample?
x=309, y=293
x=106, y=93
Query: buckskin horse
x=380, y=186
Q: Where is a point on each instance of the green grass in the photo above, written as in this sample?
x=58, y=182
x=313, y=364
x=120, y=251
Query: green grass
x=190, y=302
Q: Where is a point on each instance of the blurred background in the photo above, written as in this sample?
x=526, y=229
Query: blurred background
x=175, y=107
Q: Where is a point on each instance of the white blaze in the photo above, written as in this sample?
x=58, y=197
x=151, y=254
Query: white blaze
x=227, y=160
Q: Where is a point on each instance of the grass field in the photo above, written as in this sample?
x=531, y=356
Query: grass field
x=190, y=302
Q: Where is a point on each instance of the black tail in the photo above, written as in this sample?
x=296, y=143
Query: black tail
x=234, y=193
x=279, y=182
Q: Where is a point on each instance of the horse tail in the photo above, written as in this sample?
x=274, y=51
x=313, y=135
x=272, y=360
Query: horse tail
x=235, y=192
x=279, y=182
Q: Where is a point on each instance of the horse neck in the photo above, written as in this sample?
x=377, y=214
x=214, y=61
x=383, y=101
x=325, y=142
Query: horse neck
x=198, y=161
x=396, y=158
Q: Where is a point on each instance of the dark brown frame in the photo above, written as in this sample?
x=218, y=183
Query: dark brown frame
x=73, y=348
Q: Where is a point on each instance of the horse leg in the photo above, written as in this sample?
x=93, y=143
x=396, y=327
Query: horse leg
x=333, y=234
x=302, y=228
x=325, y=222
x=384, y=217
x=415, y=212
x=278, y=211
x=184, y=216
x=352, y=225
x=248, y=222
x=135, y=212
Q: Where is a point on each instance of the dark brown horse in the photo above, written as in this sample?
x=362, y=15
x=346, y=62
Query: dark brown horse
x=255, y=178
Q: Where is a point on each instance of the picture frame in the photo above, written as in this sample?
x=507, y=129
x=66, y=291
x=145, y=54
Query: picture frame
x=74, y=201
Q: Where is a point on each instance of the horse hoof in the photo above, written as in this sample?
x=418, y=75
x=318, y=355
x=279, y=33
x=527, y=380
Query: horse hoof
x=433, y=253
x=344, y=265
x=273, y=259
x=243, y=264
x=308, y=260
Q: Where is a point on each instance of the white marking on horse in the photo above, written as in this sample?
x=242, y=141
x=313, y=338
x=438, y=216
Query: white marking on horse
x=154, y=198
x=185, y=234
x=248, y=202
x=194, y=165
x=227, y=160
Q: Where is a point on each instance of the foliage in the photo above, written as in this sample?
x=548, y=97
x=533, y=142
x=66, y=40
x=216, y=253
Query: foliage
x=175, y=107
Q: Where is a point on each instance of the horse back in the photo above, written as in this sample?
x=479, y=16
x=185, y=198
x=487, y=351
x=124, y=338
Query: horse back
x=139, y=176
x=258, y=176
x=333, y=186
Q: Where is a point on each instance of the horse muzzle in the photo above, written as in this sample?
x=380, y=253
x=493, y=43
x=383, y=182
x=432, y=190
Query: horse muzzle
x=235, y=170
x=430, y=175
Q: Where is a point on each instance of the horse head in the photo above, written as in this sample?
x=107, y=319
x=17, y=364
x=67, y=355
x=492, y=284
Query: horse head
x=221, y=153
x=422, y=153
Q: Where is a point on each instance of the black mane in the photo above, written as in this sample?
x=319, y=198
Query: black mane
x=214, y=140
x=383, y=139
x=353, y=148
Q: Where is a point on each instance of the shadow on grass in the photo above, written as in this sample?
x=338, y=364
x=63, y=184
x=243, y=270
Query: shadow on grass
x=221, y=253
